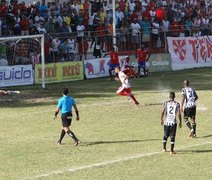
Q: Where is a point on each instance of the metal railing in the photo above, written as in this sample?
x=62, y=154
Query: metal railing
x=95, y=44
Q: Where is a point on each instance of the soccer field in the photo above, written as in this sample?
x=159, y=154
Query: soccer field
x=118, y=140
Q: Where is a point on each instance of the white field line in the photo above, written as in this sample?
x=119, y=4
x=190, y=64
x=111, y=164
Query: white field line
x=104, y=163
x=115, y=103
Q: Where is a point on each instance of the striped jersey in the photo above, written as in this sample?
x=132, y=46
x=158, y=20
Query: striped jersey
x=171, y=110
x=190, y=97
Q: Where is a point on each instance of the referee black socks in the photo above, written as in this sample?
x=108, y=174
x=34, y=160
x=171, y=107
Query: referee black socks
x=72, y=135
x=62, y=136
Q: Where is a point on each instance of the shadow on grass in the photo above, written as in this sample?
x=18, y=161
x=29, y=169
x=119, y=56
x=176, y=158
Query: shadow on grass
x=194, y=151
x=206, y=136
x=116, y=142
x=154, y=104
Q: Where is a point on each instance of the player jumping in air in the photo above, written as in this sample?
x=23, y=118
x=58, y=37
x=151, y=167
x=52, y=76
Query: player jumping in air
x=171, y=109
x=188, y=106
x=65, y=104
x=125, y=88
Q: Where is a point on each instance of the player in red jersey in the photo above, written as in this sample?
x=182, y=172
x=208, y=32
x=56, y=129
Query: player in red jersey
x=125, y=88
x=114, y=61
x=142, y=56
x=127, y=68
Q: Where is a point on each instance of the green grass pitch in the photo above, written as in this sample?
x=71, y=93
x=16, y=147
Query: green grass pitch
x=119, y=141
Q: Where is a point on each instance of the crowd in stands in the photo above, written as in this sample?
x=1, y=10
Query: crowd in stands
x=72, y=23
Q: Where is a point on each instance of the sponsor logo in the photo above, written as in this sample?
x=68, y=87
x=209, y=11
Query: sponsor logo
x=15, y=74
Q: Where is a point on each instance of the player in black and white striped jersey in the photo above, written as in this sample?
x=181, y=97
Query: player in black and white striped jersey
x=188, y=106
x=169, y=114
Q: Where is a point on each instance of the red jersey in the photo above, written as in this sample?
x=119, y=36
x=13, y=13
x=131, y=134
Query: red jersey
x=134, y=17
x=24, y=24
x=83, y=47
x=100, y=31
x=3, y=10
x=15, y=9
x=141, y=55
x=122, y=6
x=114, y=57
x=85, y=18
x=86, y=6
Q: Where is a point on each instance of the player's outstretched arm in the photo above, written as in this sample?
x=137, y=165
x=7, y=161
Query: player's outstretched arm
x=77, y=113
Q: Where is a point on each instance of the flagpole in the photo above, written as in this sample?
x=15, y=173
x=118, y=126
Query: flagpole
x=114, y=23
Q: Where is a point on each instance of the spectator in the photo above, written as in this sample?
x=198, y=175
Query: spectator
x=80, y=31
x=146, y=31
x=64, y=28
x=23, y=8
x=83, y=48
x=155, y=33
x=175, y=27
x=124, y=36
x=135, y=34
x=102, y=15
x=86, y=6
x=98, y=48
x=17, y=28
x=47, y=46
x=110, y=5
x=131, y=7
x=38, y=19
x=41, y=29
x=97, y=20
x=54, y=49
x=3, y=9
x=71, y=49
x=188, y=27
x=86, y=19
x=50, y=26
x=134, y=16
x=100, y=32
x=165, y=30
x=14, y=7
x=75, y=7
x=122, y=6
x=64, y=50
x=120, y=16
x=90, y=24
x=44, y=10
x=25, y=24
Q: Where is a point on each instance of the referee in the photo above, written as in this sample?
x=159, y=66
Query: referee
x=64, y=105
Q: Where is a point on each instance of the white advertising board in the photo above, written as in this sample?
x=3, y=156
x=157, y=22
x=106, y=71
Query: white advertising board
x=16, y=75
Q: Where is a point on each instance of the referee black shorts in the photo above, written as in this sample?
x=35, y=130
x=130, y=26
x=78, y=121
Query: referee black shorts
x=190, y=112
x=170, y=131
x=66, y=119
